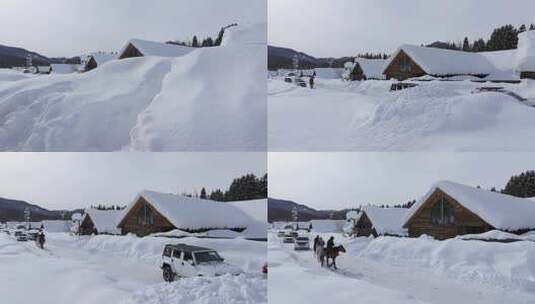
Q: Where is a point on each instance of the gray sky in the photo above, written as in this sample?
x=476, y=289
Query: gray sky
x=73, y=180
x=326, y=28
x=72, y=27
x=345, y=180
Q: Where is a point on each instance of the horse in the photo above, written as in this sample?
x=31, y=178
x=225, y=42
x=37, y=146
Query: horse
x=332, y=254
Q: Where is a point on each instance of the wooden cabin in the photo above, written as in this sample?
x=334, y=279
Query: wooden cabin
x=95, y=60
x=375, y=221
x=99, y=222
x=140, y=48
x=153, y=212
x=144, y=219
x=364, y=69
x=87, y=226
x=411, y=61
x=450, y=209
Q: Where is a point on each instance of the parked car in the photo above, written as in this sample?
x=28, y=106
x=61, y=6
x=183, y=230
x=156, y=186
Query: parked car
x=300, y=82
x=32, y=234
x=20, y=236
x=288, y=238
x=302, y=243
x=181, y=260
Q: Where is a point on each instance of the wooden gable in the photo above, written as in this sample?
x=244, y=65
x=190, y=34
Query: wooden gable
x=400, y=71
x=364, y=226
x=87, y=227
x=130, y=224
x=465, y=222
x=130, y=52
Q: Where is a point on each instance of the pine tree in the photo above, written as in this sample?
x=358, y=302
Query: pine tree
x=195, y=42
x=522, y=185
x=203, y=193
x=466, y=45
x=532, y=27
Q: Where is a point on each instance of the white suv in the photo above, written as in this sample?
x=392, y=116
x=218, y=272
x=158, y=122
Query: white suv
x=182, y=260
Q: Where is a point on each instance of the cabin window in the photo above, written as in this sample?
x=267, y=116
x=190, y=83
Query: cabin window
x=145, y=216
x=405, y=64
x=442, y=213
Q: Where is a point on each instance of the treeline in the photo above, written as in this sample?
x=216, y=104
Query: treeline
x=522, y=185
x=502, y=38
x=205, y=42
x=107, y=207
x=372, y=56
x=246, y=187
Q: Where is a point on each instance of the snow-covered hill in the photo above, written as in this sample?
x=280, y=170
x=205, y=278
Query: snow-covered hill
x=210, y=99
x=366, y=116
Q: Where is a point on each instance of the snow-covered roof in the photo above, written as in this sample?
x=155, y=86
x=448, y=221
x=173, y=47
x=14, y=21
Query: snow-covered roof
x=56, y=225
x=387, y=220
x=105, y=220
x=193, y=213
x=160, y=49
x=327, y=225
x=255, y=209
x=101, y=57
x=435, y=61
x=329, y=73
x=502, y=211
x=372, y=68
x=246, y=34
x=526, y=51
x=64, y=68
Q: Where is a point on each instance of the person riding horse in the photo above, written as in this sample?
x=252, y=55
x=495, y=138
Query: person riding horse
x=331, y=252
x=41, y=239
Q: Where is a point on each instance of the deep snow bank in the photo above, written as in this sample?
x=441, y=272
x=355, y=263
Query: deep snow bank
x=211, y=99
x=500, y=264
x=246, y=289
x=365, y=116
x=248, y=255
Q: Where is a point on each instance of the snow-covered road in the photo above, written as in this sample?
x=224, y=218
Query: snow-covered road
x=296, y=277
x=68, y=272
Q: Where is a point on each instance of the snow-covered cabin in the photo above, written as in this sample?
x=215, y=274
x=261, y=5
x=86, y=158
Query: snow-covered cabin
x=64, y=68
x=43, y=69
x=92, y=61
x=450, y=209
x=329, y=73
x=257, y=212
x=100, y=222
x=411, y=61
x=526, y=55
x=141, y=48
x=364, y=69
x=152, y=212
x=327, y=226
x=56, y=225
x=372, y=220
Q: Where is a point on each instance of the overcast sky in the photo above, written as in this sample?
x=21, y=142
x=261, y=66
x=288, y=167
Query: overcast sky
x=73, y=27
x=336, y=28
x=345, y=180
x=74, y=180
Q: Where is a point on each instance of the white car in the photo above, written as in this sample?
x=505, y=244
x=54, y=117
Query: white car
x=302, y=243
x=20, y=236
x=181, y=260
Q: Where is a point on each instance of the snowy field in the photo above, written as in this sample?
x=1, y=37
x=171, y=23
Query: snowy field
x=366, y=116
x=210, y=99
x=116, y=269
x=403, y=270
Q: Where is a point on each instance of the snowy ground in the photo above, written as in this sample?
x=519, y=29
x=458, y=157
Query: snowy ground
x=210, y=99
x=114, y=269
x=392, y=270
x=366, y=116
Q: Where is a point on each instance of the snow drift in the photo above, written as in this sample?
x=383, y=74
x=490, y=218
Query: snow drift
x=209, y=99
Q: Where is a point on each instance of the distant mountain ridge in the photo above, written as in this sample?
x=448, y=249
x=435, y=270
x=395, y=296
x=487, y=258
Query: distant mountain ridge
x=281, y=210
x=13, y=210
x=16, y=57
x=282, y=58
